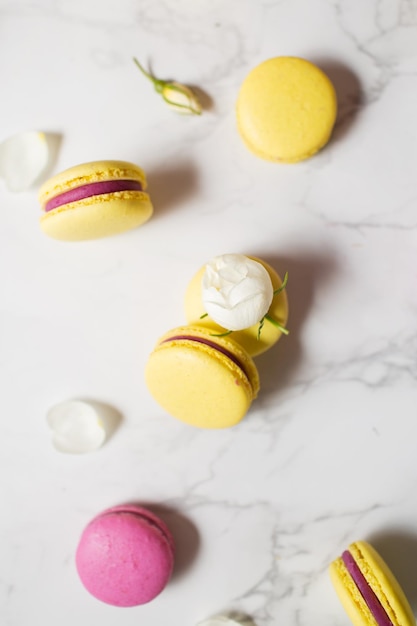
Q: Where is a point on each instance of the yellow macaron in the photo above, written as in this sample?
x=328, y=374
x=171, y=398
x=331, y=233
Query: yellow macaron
x=202, y=380
x=94, y=200
x=286, y=109
x=368, y=590
x=251, y=340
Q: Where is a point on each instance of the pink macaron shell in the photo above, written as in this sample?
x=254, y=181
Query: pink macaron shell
x=125, y=556
x=146, y=513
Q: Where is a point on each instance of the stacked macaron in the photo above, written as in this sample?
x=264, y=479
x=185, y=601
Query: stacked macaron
x=203, y=374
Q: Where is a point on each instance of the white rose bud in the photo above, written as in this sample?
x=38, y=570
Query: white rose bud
x=179, y=97
x=236, y=291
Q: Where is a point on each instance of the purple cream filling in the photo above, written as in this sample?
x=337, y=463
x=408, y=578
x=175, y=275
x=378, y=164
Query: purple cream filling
x=212, y=344
x=92, y=189
x=378, y=612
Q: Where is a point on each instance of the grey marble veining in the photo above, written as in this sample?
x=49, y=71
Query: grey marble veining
x=327, y=453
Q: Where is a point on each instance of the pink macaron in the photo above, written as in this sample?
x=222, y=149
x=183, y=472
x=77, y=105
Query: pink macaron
x=125, y=556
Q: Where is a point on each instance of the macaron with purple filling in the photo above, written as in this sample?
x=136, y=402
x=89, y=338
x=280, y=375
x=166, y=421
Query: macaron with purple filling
x=125, y=556
x=94, y=200
x=202, y=379
x=368, y=590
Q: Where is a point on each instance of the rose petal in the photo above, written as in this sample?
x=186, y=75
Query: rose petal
x=23, y=159
x=76, y=427
x=237, y=291
x=247, y=289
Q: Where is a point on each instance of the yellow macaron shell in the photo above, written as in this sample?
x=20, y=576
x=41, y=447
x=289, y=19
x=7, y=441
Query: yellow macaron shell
x=349, y=595
x=286, y=109
x=198, y=384
x=247, y=338
x=100, y=215
x=382, y=582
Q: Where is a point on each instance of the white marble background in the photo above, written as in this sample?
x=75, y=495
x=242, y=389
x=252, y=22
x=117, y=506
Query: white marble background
x=328, y=452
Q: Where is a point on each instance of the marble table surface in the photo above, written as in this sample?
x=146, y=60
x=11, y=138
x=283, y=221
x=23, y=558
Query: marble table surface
x=327, y=453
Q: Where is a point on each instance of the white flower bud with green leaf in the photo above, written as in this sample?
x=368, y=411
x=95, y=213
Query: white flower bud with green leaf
x=181, y=99
x=236, y=291
x=178, y=97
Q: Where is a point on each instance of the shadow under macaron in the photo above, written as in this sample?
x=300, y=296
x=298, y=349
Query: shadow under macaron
x=278, y=366
x=169, y=186
x=349, y=92
x=184, y=533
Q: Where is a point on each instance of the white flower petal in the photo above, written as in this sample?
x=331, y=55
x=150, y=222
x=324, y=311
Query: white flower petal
x=214, y=296
x=247, y=289
x=236, y=291
x=223, y=317
x=76, y=427
x=23, y=159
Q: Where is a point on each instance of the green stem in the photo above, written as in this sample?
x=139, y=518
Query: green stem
x=203, y=316
x=158, y=84
x=283, y=285
x=282, y=328
x=261, y=325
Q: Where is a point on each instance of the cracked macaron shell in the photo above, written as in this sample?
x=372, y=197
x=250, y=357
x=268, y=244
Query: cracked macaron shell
x=379, y=578
x=199, y=384
x=95, y=216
